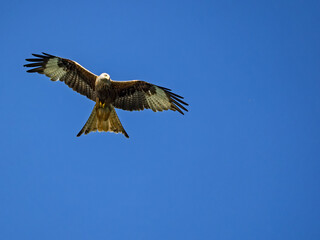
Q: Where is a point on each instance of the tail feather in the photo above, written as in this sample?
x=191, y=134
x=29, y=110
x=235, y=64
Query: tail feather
x=91, y=124
x=115, y=124
x=103, y=119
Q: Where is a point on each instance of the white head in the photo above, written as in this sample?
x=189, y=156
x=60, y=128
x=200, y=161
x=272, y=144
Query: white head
x=105, y=76
x=103, y=80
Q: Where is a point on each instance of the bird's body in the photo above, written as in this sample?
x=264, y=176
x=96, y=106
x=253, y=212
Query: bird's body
x=108, y=94
x=103, y=88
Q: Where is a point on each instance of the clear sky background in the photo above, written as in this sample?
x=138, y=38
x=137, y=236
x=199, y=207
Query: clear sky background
x=243, y=163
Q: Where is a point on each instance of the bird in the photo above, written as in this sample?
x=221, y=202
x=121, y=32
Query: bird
x=133, y=95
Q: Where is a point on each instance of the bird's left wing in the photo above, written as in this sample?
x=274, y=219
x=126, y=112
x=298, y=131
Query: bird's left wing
x=138, y=95
x=73, y=74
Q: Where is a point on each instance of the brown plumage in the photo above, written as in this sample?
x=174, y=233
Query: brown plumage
x=127, y=95
x=107, y=121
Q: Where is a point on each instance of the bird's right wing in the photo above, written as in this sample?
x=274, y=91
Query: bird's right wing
x=138, y=95
x=73, y=74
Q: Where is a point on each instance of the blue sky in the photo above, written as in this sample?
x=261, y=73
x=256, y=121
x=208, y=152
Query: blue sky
x=242, y=164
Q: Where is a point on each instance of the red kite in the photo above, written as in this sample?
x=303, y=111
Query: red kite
x=108, y=94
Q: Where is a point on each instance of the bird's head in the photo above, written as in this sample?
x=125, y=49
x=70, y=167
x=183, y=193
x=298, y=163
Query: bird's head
x=103, y=80
x=105, y=76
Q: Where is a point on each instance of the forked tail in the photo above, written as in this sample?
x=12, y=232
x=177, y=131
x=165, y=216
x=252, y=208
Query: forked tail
x=103, y=119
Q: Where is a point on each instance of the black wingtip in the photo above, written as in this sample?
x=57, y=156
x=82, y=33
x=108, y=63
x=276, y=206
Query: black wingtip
x=167, y=89
x=177, y=109
x=37, y=55
x=47, y=54
x=176, y=100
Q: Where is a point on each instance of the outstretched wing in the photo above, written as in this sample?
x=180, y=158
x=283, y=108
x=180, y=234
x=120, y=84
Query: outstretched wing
x=138, y=95
x=73, y=74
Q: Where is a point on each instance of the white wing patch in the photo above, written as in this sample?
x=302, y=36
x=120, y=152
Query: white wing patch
x=53, y=71
x=158, y=101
